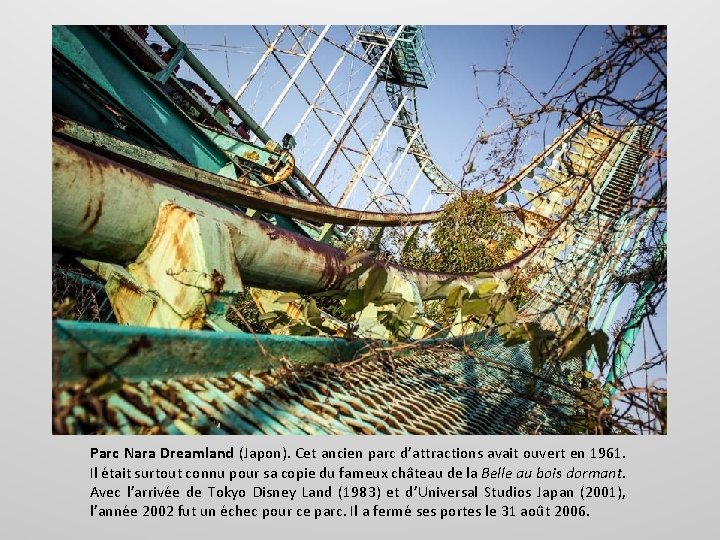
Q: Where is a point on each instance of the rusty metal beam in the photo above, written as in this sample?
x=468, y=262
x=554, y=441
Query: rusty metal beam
x=106, y=210
x=220, y=189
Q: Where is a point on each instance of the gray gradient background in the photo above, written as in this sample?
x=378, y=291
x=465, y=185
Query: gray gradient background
x=45, y=481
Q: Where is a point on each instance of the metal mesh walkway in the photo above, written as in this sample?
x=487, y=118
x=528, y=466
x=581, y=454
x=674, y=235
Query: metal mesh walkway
x=441, y=390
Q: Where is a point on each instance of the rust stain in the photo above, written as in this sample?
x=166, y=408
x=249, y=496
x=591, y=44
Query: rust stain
x=252, y=156
x=131, y=287
x=135, y=346
x=86, y=215
x=218, y=280
x=57, y=123
x=98, y=213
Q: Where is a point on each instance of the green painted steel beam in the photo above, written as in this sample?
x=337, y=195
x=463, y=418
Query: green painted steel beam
x=255, y=156
x=135, y=353
x=140, y=353
x=92, y=54
x=638, y=313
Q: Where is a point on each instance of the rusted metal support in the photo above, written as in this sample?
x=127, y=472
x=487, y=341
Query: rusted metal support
x=221, y=190
x=107, y=211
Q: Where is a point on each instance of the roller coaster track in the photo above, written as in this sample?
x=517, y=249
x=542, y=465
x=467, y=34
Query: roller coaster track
x=410, y=124
x=132, y=207
x=234, y=193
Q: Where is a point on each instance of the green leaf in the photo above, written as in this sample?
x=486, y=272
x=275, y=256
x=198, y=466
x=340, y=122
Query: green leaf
x=434, y=287
x=486, y=287
x=517, y=186
x=359, y=271
x=391, y=321
x=503, y=198
x=312, y=310
x=576, y=343
x=302, y=330
x=269, y=316
x=287, y=297
x=507, y=314
x=541, y=344
x=478, y=306
x=376, y=281
x=538, y=358
x=354, y=301
x=537, y=332
x=600, y=341
x=389, y=298
x=455, y=296
x=513, y=334
x=315, y=321
x=406, y=310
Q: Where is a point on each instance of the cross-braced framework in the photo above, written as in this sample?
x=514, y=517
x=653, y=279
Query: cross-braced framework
x=348, y=98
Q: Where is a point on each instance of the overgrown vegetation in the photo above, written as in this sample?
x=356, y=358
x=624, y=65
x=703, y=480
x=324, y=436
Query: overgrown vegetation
x=470, y=236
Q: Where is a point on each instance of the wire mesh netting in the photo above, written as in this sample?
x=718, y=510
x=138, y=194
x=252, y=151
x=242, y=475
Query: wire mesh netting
x=79, y=294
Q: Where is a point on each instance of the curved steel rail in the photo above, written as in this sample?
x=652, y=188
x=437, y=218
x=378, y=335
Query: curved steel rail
x=410, y=125
x=83, y=180
x=221, y=189
x=94, y=196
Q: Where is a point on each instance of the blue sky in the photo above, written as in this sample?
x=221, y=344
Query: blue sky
x=449, y=109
